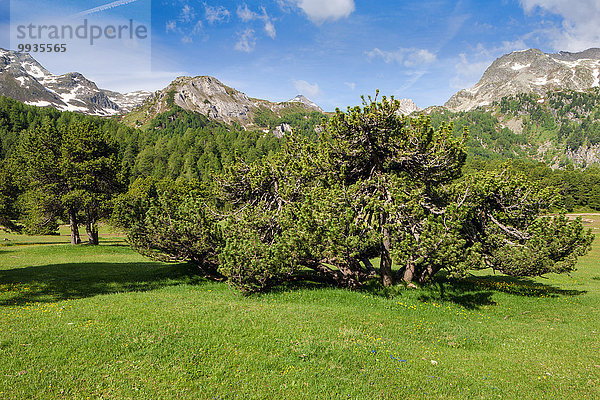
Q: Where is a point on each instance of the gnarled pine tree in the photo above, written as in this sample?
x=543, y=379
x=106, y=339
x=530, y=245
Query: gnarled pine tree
x=373, y=184
x=379, y=184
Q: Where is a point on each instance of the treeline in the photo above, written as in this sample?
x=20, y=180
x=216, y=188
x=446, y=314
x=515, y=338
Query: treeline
x=567, y=117
x=487, y=138
x=178, y=143
x=305, y=123
x=530, y=126
x=185, y=144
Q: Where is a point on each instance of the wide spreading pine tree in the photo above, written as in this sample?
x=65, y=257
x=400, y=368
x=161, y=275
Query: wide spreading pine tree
x=373, y=185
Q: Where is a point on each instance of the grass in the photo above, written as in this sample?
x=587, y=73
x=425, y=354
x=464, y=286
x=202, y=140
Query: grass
x=105, y=323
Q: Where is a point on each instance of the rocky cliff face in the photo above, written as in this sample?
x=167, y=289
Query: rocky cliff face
x=584, y=156
x=24, y=79
x=530, y=71
x=209, y=96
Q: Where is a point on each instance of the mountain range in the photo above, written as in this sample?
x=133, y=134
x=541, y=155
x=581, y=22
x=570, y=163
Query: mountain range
x=24, y=79
x=529, y=71
x=210, y=97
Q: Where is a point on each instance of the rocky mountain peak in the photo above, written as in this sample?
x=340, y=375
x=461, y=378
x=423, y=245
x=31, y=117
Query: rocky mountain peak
x=209, y=96
x=407, y=106
x=531, y=71
x=302, y=99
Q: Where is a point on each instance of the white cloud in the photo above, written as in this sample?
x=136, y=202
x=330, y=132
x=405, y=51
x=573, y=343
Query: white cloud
x=247, y=15
x=310, y=90
x=270, y=29
x=186, y=25
x=468, y=72
x=187, y=14
x=320, y=11
x=246, y=41
x=419, y=57
x=409, y=57
x=579, y=29
x=284, y=5
x=197, y=28
x=216, y=14
x=351, y=85
x=171, y=26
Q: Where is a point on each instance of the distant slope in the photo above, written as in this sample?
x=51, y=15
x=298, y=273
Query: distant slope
x=558, y=127
x=530, y=71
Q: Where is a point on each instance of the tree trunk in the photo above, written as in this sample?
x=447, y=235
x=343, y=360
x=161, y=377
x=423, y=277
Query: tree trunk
x=409, y=272
x=371, y=270
x=91, y=229
x=92, y=233
x=385, y=267
x=75, y=239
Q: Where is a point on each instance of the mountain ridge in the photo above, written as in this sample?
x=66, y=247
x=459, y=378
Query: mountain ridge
x=530, y=71
x=210, y=97
x=24, y=79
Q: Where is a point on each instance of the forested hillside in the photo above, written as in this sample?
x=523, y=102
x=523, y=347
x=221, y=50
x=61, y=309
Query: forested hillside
x=177, y=143
x=559, y=128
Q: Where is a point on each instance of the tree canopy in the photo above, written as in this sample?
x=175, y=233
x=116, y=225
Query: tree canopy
x=67, y=172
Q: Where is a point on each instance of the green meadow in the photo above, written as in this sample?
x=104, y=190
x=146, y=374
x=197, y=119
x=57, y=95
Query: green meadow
x=103, y=322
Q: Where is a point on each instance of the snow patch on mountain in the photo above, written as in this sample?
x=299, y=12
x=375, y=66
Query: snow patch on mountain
x=518, y=66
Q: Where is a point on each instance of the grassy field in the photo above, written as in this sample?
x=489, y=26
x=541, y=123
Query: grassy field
x=105, y=323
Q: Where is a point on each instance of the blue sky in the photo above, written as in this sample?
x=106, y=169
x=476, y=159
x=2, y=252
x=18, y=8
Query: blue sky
x=332, y=51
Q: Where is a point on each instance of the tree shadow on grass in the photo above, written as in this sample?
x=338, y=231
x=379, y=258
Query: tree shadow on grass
x=105, y=242
x=58, y=282
x=477, y=291
x=15, y=243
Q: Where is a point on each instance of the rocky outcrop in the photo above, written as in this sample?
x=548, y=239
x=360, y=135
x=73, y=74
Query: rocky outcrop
x=281, y=130
x=407, y=107
x=584, y=156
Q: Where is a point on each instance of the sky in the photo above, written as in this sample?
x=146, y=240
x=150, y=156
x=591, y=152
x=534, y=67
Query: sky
x=331, y=51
